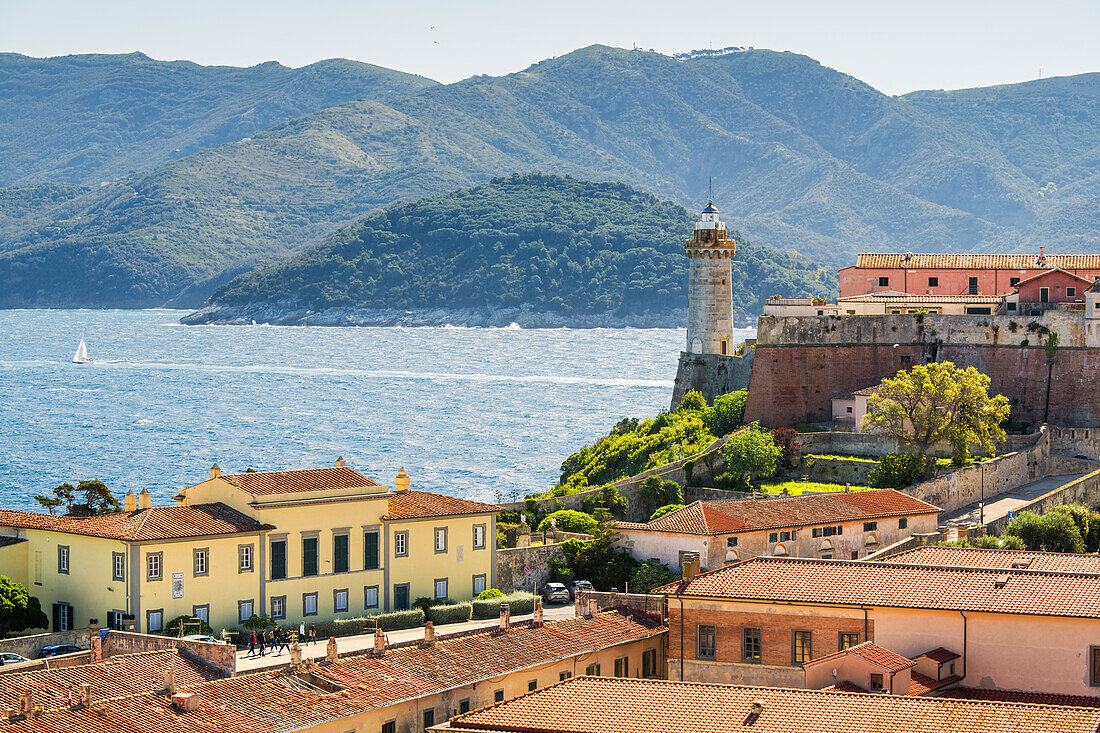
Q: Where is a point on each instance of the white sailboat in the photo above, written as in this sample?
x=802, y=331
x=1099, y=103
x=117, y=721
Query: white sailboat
x=81, y=355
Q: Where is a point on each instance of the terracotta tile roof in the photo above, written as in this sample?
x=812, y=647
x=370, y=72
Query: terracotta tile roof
x=977, y=261
x=621, y=705
x=870, y=652
x=411, y=504
x=749, y=515
x=309, y=479
x=6, y=540
x=160, y=522
x=890, y=585
x=920, y=684
x=127, y=674
x=904, y=298
x=940, y=655
x=1019, y=696
x=977, y=558
x=844, y=686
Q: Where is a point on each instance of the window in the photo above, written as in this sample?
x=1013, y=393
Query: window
x=63, y=559
x=1011, y=306
x=440, y=539
x=479, y=584
x=114, y=620
x=340, y=600
x=200, y=561
x=849, y=409
x=903, y=523
x=278, y=559
x=62, y=617
x=649, y=664
x=705, y=642
x=309, y=604
x=244, y=558
x=883, y=282
x=429, y=718
x=401, y=597
x=244, y=610
x=118, y=566
x=401, y=544
x=370, y=550
x=340, y=557
x=933, y=282
x=370, y=596
x=1094, y=662
x=622, y=666
x=309, y=556
x=390, y=726
x=1071, y=292
x=563, y=676
x=724, y=347
x=870, y=526
x=787, y=536
x=201, y=612
x=441, y=588
x=498, y=695
x=1013, y=282
x=801, y=647
x=827, y=531
x=154, y=621
x=592, y=670
x=464, y=705
x=752, y=644
x=278, y=607
x=152, y=565
x=973, y=286
x=731, y=542
x=773, y=537
x=479, y=536
x=876, y=682
x=847, y=641
x=532, y=685
x=1044, y=295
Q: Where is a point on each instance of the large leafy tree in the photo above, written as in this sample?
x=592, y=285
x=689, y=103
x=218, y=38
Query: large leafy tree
x=932, y=402
x=88, y=499
x=14, y=603
x=751, y=455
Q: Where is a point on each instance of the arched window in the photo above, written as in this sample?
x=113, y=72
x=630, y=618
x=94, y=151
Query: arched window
x=732, y=556
x=697, y=345
x=780, y=550
x=871, y=540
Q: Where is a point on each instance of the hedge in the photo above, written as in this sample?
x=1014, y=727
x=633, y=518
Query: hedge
x=520, y=603
x=365, y=624
x=451, y=613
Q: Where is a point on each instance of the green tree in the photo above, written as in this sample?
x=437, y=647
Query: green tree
x=35, y=617
x=570, y=520
x=183, y=625
x=60, y=496
x=751, y=455
x=938, y=401
x=258, y=622
x=693, y=401
x=727, y=413
x=787, y=440
x=650, y=575
x=1054, y=531
x=609, y=499
x=97, y=499
x=13, y=605
x=898, y=470
x=667, y=508
x=655, y=492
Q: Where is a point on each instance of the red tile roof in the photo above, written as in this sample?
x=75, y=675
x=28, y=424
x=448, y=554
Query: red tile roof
x=920, y=684
x=977, y=262
x=1018, y=696
x=161, y=522
x=1048, y=273
x=891, y=585
x=621, y=705
x=905, y=298
x=749, y=515
x=412, y=504
x=940, y=655
x=309, y=479
x=974, y=557
x=870, y=652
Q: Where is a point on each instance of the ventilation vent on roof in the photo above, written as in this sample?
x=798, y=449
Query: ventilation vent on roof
x=1001, y=581
x=1023, y=562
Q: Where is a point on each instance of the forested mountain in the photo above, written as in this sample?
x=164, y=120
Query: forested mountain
x=570, y=252
x=95, y=117
x=803, y=157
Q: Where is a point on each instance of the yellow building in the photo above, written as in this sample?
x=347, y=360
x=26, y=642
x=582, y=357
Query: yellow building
x=306, y=545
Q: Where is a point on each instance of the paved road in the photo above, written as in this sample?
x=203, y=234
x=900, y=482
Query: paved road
x=366, y=641
x=1002, y=504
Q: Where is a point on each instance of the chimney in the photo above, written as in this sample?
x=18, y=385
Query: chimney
x=330, y=650
x=592, y=608
x=690, y=565
x=185, y=702
x=379, y=642
x=26, y=701
x=130, y=501
x=145, y=499
x=505, y=617
x=402, y=481
x=538, y=613
x=169, y=682
x=85, y=694
x=429, y=634
x=340, y=462
x=295, y=654
x=95, y=642
x=215, y=471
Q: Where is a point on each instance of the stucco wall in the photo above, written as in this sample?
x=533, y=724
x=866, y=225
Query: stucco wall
x=510, y=563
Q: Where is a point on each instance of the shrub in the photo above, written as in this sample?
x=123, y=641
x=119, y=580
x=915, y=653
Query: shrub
x=450, y=614
x=656, y=492
x=1028, y=526
x=1088, y=523
x=651, y=575
x=257, y=622
x=489, y=593
x=399, y=619
x=898, y=470
x=607, y=498
x=424, y=603
x=727, y=413
x=665, y=510
x=751, y=455
x=787, y=440
x=172, y=628
x=519, y=602
x=1054, y=531
x=570, y=520
x=693, y=401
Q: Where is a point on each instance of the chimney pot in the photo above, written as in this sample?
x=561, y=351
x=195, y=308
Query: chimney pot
x=295, y=654
x=169, y=685
x=26, y=701
x=145, y=499
x=130, y=501
x=538, y=613
x=86, y=694
x=215, y=471
x=505, y=616
x=340, y=463
x=402, y=481
x=330, y=650
x=185, y=702
x=757, y=707
x=592, y=608
x=379, y=642
x=691, y=565
x=429, y=633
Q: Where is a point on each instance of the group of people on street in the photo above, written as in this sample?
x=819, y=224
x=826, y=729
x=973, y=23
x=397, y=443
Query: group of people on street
x=276, y=639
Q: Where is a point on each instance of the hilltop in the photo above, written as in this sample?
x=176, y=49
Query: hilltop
x=803, y=157
x=535, y=249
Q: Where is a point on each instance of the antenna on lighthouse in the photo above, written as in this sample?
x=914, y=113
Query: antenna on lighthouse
x=711, y=194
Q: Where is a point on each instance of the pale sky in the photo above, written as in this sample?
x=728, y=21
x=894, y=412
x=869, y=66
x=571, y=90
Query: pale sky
x=894, y=45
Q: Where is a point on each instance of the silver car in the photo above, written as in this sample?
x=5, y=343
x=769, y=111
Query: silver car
x=555, y=593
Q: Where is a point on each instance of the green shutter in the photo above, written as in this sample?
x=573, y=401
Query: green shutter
x=278, y=560
x=309, y=556
x=370, y=541
x=340, y=553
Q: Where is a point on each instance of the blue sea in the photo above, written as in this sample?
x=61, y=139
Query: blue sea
x=484, y=413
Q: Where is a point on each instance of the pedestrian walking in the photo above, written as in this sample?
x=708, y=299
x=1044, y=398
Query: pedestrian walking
x=252, y=644
x=284, y=639
x=301, y=633
x=260, y=641
x=312, y=633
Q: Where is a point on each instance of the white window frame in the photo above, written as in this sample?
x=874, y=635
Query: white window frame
x=279, y=601
x=401, y=543
x=368, y=591
x=248, y=603
x=336, y=595
x=484, y=583
x=63, y=559
x=439, y=535
x=244, y=558
x=305, y=608
x=152, y=566
x=446, y=588
x=118, y=567
x=479, y=536
x=202, y=561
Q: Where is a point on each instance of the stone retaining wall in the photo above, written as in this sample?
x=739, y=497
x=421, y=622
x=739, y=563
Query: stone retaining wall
x=511, y=561
x=1085, y=490
x=222, y=657
x=30, y=646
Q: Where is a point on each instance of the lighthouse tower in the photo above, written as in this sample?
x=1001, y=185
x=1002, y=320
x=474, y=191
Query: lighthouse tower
x=710, y=296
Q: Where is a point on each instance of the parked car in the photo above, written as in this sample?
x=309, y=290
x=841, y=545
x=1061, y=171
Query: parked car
x=9, y=658
x=555, y=593
x=55, y=650
x=581, y=585
x=202, y=637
